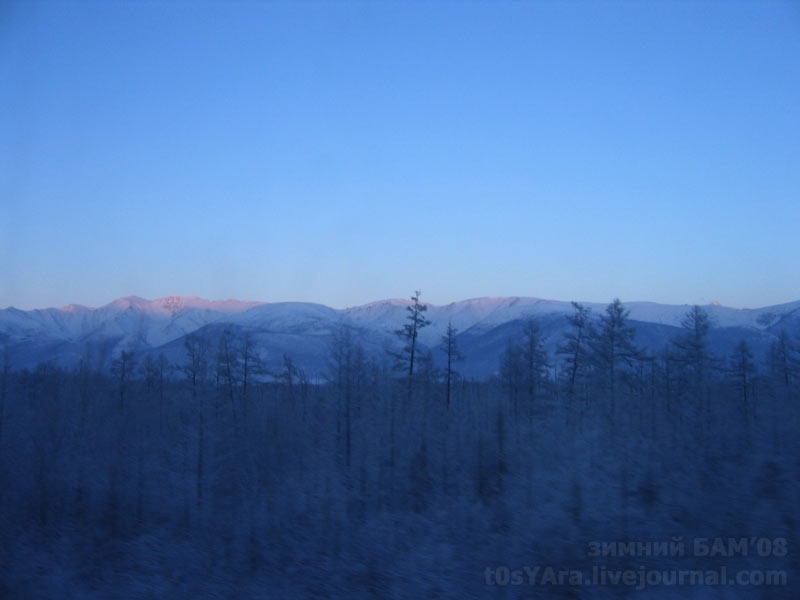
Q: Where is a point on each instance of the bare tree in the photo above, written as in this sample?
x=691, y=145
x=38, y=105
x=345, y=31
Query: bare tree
x=155, y=374
x=575, y=347
x=612, y=349
x=512, y=369
x=227, y=367
x=743, y=371
x=195, y=368
x=783, y=362
x=405, y=359
x=691, y=349
x=291, y=376
x=534, y=360
x=450, y=348
x=250, y=363
x=346, y=368
x=122, y=369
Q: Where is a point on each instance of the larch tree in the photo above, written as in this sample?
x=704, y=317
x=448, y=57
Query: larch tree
x=512, y=373
x=450, y=348
x=227, y=367
x=250, y=362
x=195, y=368
x=534, y=360
x=409, y=332
x=345, y=371
x=742, y=370
x=122, y=369
x=691, y=349
x=783, y=362
x=575, y=346
x=612, y=349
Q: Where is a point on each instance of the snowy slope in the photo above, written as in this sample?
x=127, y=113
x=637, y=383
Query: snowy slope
x=130, y=322
x=67, y=334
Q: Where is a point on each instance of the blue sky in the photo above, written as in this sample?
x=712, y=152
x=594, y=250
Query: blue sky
x=344, y=152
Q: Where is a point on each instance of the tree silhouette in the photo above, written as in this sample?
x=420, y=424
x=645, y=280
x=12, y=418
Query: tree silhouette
x=405, y=359
x=612, y=349
x=450, y=348
x=575, y=347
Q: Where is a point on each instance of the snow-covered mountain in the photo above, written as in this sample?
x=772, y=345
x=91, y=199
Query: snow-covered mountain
x=66, y=335
x=304, y=330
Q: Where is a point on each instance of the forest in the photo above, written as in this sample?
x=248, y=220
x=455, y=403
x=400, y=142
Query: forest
x=395, y=477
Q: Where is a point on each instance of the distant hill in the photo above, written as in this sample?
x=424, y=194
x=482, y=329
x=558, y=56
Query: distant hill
x=304, y=331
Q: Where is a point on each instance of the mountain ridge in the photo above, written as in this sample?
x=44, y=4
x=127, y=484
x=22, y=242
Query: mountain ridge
x=68, y=334
x=197, y=300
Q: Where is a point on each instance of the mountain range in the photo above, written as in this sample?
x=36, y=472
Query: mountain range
x=304, y=331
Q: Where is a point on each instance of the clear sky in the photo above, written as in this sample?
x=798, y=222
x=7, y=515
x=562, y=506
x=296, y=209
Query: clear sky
x=344, y=152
